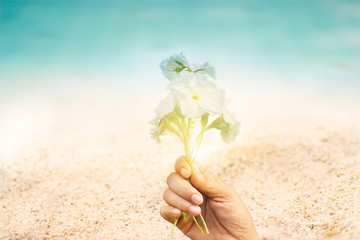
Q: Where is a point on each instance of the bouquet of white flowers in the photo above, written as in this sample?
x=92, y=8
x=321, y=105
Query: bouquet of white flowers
x=193, y=100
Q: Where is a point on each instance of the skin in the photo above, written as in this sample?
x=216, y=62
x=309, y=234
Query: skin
x=225, y=214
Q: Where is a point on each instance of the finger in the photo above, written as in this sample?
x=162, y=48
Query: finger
x=178, y=202
x=184, y=189
x=210, y=185
x=170, y=213
x=182, y=167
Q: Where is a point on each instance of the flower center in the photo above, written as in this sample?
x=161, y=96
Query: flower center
x=195, y=97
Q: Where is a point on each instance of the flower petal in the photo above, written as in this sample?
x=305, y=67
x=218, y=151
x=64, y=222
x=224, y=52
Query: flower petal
x=190, y=108
x=165, y=106
x=172, y=66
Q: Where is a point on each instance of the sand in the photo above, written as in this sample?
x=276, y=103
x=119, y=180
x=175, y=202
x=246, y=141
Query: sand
x=88, y=169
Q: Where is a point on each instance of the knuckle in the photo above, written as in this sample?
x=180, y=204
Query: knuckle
x=166, y=194
x=180, y=187
x=181, y=158
x=185, y=206
x=179, y=163
x=161, y=211
x=184, y=191
x=170, y=177
x=205, y=179
x=191, y=191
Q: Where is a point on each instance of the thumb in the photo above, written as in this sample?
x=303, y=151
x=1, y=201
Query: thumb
x=209, y=184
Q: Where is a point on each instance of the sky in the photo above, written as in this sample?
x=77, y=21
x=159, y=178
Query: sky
x=121, y=43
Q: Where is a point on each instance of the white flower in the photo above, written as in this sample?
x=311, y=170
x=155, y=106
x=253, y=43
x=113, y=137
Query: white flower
x=165, y=106
x=228, y=125
x=230, y=132
x=155, y=133
x=177, y=63
x=195, y=95
x=172, y=66
x=204, y=69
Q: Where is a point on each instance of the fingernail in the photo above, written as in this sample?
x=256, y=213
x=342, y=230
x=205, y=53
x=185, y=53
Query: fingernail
x=175, y=211
x=196, y=198
x=194, y=210
x=184, y=173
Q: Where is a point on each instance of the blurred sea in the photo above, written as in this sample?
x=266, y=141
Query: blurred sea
x=119, y=44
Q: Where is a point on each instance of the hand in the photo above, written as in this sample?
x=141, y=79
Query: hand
x=225, y=214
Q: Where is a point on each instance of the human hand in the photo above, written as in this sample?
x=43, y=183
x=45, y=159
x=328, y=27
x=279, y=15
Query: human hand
x=225, y=214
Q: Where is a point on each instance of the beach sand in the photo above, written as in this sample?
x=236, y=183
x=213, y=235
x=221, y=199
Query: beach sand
x=87, y=169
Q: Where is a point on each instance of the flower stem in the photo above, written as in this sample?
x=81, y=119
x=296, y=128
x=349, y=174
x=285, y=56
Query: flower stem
x=203, y=221
x=173, y=228
x=196, y=146
x=197, y=224
x=190, y=155
x=185, y=216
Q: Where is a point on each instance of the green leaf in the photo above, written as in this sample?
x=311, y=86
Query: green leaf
x=218, y=123
x=161, y=121
x=179, y=69
x=204, y=120
x=201, y=69
x=173, y=117
x=180, y=64
x=168, y=125
x=178, y=112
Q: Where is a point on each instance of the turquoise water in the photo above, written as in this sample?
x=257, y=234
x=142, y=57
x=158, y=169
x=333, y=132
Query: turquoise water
x=122, y=42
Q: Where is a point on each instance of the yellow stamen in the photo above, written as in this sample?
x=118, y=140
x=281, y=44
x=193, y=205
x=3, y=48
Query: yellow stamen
x=195, y=97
